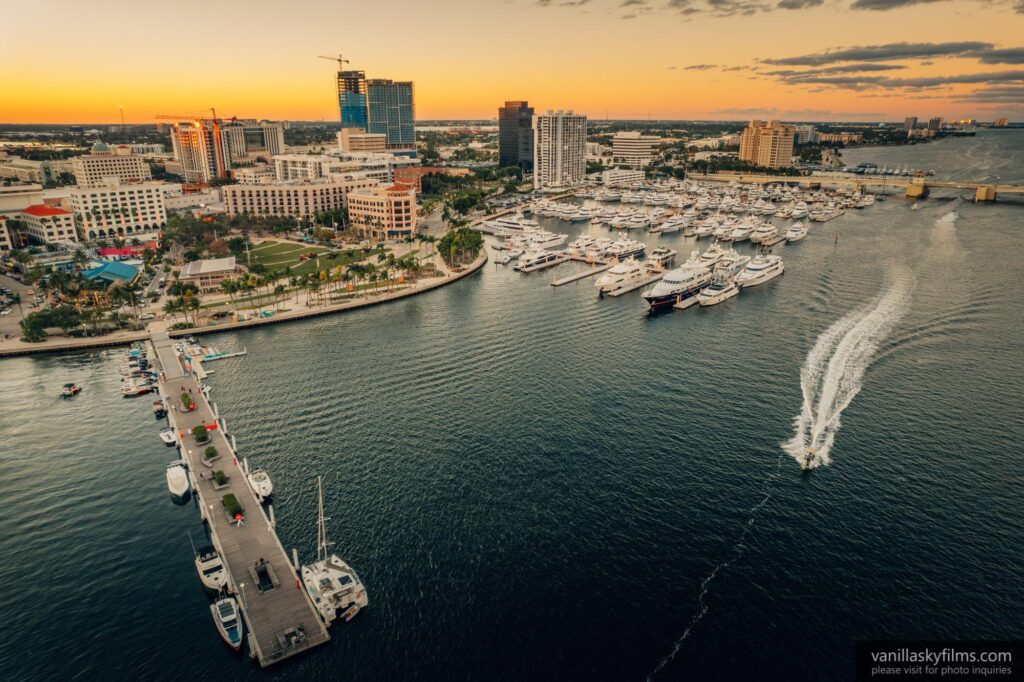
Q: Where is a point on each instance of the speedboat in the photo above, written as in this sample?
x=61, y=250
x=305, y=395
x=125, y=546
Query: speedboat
x=796, y=231
x=808, y=462
x=763, y=268
x=211, y=569
x=722, y=288
x=332, y=585
x=229, y=624
x=679, y=285
x=620, y=275
x=177, y=478
x=262, y=487
x=168, y=436
x=70, y=390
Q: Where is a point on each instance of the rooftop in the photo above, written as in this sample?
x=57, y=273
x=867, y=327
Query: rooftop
x=42, y=211
x=112, y=271
x=208, y=267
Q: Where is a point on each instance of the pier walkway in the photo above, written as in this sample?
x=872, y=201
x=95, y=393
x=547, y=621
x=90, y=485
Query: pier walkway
x=279, y=618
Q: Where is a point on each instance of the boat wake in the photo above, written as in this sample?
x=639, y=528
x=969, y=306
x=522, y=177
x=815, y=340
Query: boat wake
x=831, y=375
x=705, y=586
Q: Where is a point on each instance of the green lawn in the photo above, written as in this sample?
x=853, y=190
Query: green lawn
x=276, y=256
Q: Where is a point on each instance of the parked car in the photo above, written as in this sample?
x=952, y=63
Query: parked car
x=147, y=316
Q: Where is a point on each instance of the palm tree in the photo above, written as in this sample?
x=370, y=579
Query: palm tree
x=16, y=300
x=172, y=307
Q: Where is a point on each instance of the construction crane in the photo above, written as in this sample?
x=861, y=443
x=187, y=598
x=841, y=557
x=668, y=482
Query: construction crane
x=180, y=117
x=341, y=61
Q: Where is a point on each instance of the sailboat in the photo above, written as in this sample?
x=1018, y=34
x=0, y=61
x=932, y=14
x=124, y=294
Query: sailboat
x=332, y=584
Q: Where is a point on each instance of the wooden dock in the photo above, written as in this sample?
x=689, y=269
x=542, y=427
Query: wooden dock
x=654, y=277
x=280, y=620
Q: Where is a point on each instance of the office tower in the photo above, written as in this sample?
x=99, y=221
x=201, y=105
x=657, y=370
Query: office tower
x=391, y=111
x=250, y=138
x=909, y=123
x=559, y=149
x=352, y=98
x=768, y=144
x=935, y=123
x=633, y=149
x=515, y=134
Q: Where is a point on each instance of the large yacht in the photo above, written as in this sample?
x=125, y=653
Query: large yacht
x=796, y=231
x=764, y=232
x=621, y=274
x=625, y=248
x=506, y=226
x=333, y=586
x=764, y=267
x=535, y=257
x=713, y=254
x=680, y=284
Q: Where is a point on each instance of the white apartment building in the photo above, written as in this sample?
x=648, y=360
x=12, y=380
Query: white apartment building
x=805, y=134
x=26, y=170
x=294, y=198
x=253, y=175
x=633, y=149
x=6, y=242
x=314, y=166
x=17, y=197
x=768, y=144
x=559, y=149
x=116, y=210
x=615, y=177
x=177, y=200
x=96, y=169
x=48, y=224
x=380, y=213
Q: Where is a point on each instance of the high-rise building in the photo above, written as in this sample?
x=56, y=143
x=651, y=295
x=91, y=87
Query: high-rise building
x=515, y=134
x=199, y=146
x=806, y=134
x=633, y=149
x=559, y=149
x=383, y=212
x=352, y=98
x=1001, y=122
x=909, y=123
x=768, y=144
x=250, y=138
x=391, y=111
x=94, y=169
x=935, y=123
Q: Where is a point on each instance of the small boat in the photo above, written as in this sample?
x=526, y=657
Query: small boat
x=226, y=618
x=168, y=436
x=177, y=479
x=211, y=569
x=159, y=408
x=262, y=487
x=806, y=465
x=70, y=390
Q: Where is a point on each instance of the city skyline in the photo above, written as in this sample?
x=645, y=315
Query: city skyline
x=785, y=59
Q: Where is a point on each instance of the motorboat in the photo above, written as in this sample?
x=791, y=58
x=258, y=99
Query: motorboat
x=226, y=617
x=765, y=232
x=177, y=478
x=546, y=240
x=796, y=231
x=168, y=436
x=332, y=585
x=511, y=225
x=800, y=210
x=808, y=462
x=621, y=274
x=723, y=287
x=713, y=254
x=70, y=390
x=680, y=284
x=621, y=249
x=741, y=232
x=673, y=224
x=764, y=267
x=660, y=258
x=535, y=257
x=211, y=569
x=159, y=408
x=262, y=487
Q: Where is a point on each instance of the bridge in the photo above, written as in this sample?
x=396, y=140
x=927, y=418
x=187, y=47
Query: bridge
x=915, y=187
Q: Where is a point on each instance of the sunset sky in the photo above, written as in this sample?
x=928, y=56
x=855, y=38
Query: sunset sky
x=77, y=61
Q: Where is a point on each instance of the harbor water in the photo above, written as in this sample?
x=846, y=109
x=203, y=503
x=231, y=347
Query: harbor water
x=535, y=483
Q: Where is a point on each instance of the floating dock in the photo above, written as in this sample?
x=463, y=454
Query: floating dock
x=595, y=270
x=279, y=618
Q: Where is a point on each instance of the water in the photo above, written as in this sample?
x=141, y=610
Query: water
x=537, y=484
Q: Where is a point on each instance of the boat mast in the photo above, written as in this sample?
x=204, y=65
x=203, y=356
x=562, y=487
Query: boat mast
x=321, y=527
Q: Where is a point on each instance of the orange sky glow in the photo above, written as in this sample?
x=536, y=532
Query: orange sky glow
x=70, y=61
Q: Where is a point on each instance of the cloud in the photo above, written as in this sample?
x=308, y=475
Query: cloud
x=886, y=52
x=1010, y=55
x=799, y=4
x=857, y=82
x=859, y=67
x=563, y=3
x=700, y=67
x=883, y=5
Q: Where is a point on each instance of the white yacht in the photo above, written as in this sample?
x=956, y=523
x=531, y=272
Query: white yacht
x=764, y=267
x=712, y=255
x=796, y=231
x=722, y=288
x=228, y=621
x=741, y=232
x=621, y=274
x=262, y=487
x=765, y=232
x=673, y=224
x=177, y=478
x=168, y=436
x=535, y=257
x=333, y=586
x=660, y=258
x=621, y=249
x=679, y=285
x=211, y=569
x=800, y=210
x=511, y=225
x=546, y=240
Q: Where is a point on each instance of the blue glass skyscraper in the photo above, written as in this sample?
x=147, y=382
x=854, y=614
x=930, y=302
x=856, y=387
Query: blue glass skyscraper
x=391, y=111
x=352, y=99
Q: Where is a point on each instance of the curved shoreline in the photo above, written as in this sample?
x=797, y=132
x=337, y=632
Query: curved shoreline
x=123, y=339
